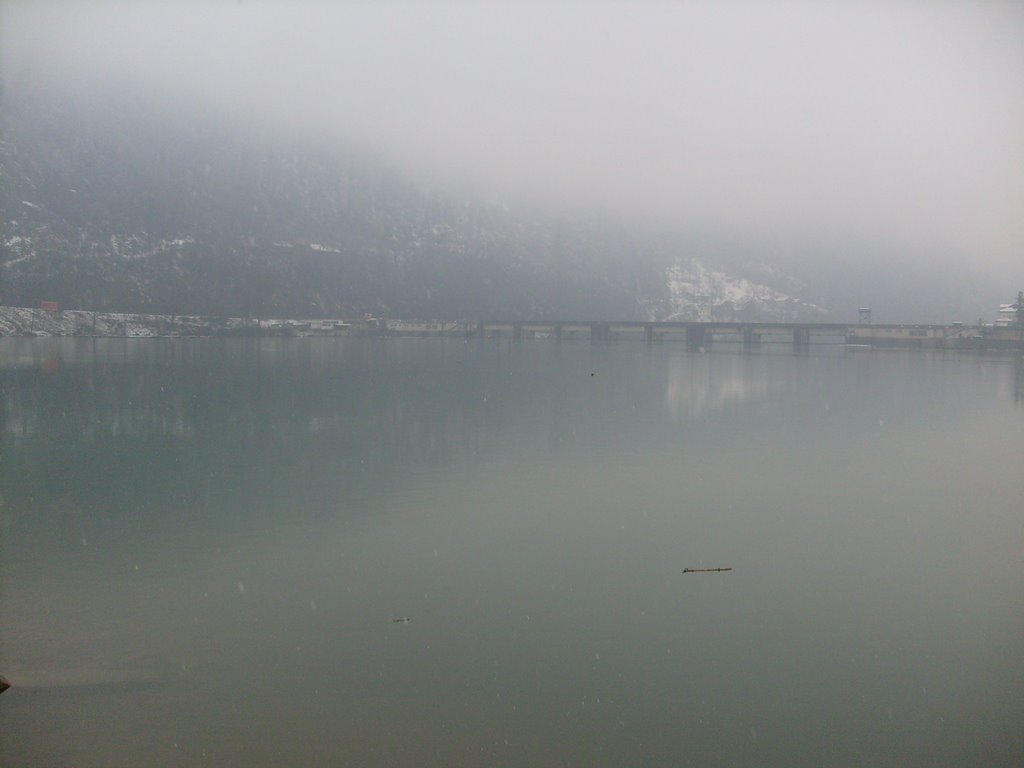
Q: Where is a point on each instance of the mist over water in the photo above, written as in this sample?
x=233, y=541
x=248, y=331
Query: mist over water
x=246, y=520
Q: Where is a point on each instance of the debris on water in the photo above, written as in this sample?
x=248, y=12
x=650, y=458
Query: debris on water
x=705, y=570
x=4, y=685
x=401, y=620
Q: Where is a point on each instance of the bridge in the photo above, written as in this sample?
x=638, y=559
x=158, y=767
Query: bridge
x=698, y=335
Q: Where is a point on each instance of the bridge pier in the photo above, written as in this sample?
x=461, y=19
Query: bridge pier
x=517, y=331
x=558, y=332
x=599, y=331
x=695, y=338
x=801, y=338
x=649, y=332
x=750, y=338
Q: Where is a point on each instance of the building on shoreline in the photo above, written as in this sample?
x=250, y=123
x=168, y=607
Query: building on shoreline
x=1011, y=314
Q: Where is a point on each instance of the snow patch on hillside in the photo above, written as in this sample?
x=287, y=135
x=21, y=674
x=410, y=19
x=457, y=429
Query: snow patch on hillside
x=699, y=293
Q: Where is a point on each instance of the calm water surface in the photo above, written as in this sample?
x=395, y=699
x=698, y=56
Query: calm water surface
x=233, y=528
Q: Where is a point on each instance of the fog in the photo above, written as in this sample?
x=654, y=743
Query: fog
x=897, y=126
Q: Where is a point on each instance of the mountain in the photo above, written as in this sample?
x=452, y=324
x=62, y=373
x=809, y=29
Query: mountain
x=697, y=292
x=117, y=201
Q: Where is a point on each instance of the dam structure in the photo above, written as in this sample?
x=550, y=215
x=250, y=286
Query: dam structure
x=701, y=335
x=696, y=335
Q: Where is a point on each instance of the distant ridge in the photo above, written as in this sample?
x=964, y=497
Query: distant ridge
x=112, y=203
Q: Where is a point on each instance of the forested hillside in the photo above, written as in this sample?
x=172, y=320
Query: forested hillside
x=116, y=203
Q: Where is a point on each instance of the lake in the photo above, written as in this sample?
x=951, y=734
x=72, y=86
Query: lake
x=427, y=552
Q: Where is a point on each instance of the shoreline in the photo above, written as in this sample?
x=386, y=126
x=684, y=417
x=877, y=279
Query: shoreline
x=24, y=322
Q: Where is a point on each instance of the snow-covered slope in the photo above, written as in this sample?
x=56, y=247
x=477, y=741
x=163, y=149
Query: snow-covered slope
x=697, y=292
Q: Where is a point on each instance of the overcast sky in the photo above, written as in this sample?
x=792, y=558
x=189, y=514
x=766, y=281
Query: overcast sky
x=900, y=124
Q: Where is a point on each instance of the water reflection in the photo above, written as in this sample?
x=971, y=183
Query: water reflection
x=697, y=384
x=255, y=514
x=162, y=434
x=94, y=425
x=181, y=429
x=1018, y=381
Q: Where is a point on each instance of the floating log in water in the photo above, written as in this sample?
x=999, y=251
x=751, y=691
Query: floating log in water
x=705, y=570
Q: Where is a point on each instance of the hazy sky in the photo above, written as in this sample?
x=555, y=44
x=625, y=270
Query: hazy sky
x=893, y=123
